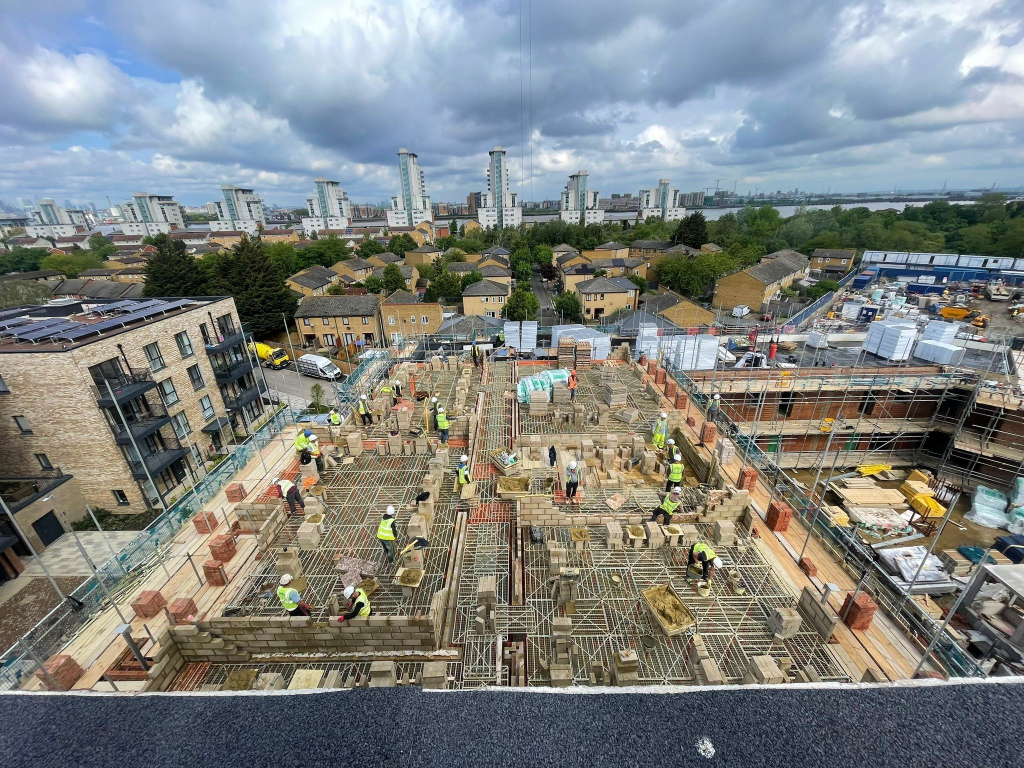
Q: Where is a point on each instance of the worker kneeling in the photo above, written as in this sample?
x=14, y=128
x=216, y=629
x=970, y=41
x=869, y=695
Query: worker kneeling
x=704, y=555
x=290, y=599
x=668, y=505
x=358, y=604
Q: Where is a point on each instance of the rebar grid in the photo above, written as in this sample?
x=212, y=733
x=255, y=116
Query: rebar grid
x=440, y=384
x=193, y=676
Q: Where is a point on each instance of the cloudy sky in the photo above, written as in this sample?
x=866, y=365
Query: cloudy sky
x=108, y=97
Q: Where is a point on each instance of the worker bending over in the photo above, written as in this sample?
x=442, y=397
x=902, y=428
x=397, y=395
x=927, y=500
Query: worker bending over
x=290, y=493
x=574, y=382
x=358, y=603
x=364, y=410
x=668, y=505
x=572, y=481
x=463, y=476
x=386, y=534
x=675, y=472
x=661, y=430
x=314, y=452
x=443, y=425
x=704, y=555
x=302, y=440
x=290, y=599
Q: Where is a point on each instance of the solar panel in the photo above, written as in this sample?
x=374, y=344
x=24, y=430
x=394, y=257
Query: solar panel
x=89, y=329
x=50, y=321
x=16, y=321
x=45, y=333
x=120, y=306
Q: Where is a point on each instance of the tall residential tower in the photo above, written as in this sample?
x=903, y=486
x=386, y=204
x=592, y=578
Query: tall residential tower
x=411, y=205
x=147, y=214
x=662, y=202
x=578, y=198
x=329, y=208
x=500, y=208
x=241, y=210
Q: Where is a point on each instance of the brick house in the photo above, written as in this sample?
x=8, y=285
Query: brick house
x=486, y=298
x=403, y=315
x=756, y=285
x=334, y=321
x=603, y=296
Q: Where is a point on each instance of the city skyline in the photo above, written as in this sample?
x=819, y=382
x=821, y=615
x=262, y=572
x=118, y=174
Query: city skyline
x=105, y=98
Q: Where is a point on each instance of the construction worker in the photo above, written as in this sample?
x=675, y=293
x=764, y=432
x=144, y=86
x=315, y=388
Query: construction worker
x=713, y=408
x=661, y=430
x=463, y=478
x=572, y=481
x=443, y=425
x=358, y=603
x=675, y=472
x=444, y=357
x=386, y=534
x=290, y=493
x=302, y=440
x=396, y=392
x=432, y=413
x=385, y=389
x=552, y=455
x=670, y=447
x=476, y=357
x=703, y=554
x=668, y=505
x=334, y=418
x=290, y=599
x=364, y=410
x=574, y=382
x=314, y=452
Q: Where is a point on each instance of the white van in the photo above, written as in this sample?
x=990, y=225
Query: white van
x=740, y=310
x=320, y=367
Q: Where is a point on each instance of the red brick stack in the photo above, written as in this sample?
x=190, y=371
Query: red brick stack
x=181, y=608
x=748, y=479
x=222, y=547
x=779, y=515
x=862, y=611
x=808, y=567
x=148, y=604
x=213, y=574
x=708, y=433
x=659, y=375
x=235, y=492
x=63, y=671
x=205, y=522
x=670, y=388
x=652, y=366
x=681, y=401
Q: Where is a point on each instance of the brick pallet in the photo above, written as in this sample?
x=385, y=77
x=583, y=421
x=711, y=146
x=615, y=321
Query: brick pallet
x=583, y=355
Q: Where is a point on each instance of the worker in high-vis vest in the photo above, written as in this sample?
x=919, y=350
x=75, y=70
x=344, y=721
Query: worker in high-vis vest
x=334, y=417
x=713, y=408
x=363, y=409
x=432, y=415
x=314, y=451
x=302, y=440
x=290, y=599
x=702, y=554
x=389, y=392
x=386, y=534
x=668, y=505
x=358, y=603
x=443, y=425
x=396, y=392
x=675, y=472
x=572, y=481
x=290, y=493
x=463, y=478
x=661, y=430
x=574, y=383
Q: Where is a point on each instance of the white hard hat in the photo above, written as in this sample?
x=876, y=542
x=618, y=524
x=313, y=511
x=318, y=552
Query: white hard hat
x=717, y=562
x=433, y=399
x=277, y=480
x=313, y=438
x=391, y=510
x=349, y=591
x=286, y=578
x=678, y=457
x=677, y=489
x=671, y=442
x=572, y=464
x=463, y=457
x=718, y=397
x=362, y=397
x=440, y=409
x=664, y=415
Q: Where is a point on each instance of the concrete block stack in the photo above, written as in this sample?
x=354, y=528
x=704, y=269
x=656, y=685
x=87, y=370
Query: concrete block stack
x=655, y=535
x=859, y=612
x=435, y=675
x=690, y=535
x=487, y=600
x=763, y=670
x=724, y=533
x=778, y=517
x=61, y=673
x=148, y=604
x=705, y=667
x=566, y=589
x=560, y=394
x=784, y=623
x=538, y=510
x=730, y=504
x=955, y=563
x=354, y=443
x=615, y=394
x=561, y=651
x=625, y=668
x=287, y=561
x=726, y=451
x=309, y=536
x=538, y=403
x=383, y=674
x=816, y=614
x=307, y=471
x=613, y=535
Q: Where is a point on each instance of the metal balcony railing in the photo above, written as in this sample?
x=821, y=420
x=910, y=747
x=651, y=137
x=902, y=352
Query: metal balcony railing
x=157, y=460
x=229, y=339
x=142, y=425
x=19, y=492
x=227, y=371
x=126, y=386
x=239, y=400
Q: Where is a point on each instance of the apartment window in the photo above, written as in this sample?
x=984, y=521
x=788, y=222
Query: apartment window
x=424, y=319
x=181, y=426
x=44, y=462
x=23, y=425
x=602, y=297
x=207, y=406
x=156, y=360
x=412, y=319
x=167, y=392
x=590, y=297
x=121, y=498
x=490, y=314
x=305, y=322
x=184, y=344
x=391, y=321
x=344, y=321
x=366, y=321
x=4, y=390
x=328, y=339
x=326, y=320
x=196, y=377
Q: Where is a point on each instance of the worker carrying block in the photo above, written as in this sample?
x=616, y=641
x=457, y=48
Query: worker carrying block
x=669, y=505
x=660, y=431
x=703, y=555
x=358, y=604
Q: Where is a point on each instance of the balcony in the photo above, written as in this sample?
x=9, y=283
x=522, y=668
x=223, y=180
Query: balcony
x=157, y=461
x=224, y=372
x=125, y=387
x=241, y=399
x=140, y=427
x=232, y=338
x=19, y=492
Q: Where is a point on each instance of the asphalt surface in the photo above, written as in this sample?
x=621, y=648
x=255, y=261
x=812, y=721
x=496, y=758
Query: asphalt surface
x=545, y=293
x=294, y=387
x=931, y=725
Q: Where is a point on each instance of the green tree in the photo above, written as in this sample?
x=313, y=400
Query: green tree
x=100, y=246
x=401, y=243
x=820, y=288
x=298, y=213
x=71, y=264
x=522, y=304
x=369, y=247
x=569, y=308
x=172, y=271
x=15, y=293
x=523, y=271
x=471, y=277
x=447, y=287
x=247, y=273
x=374, y=284
x=21, y=259
x=392, y=278
x=284, y=257
x=453, y=228
x=692, y=230
x=326, y=252
x=338, y=289
x=427, y=272
x=542, y=254
x=316, y=397
x=638, y=281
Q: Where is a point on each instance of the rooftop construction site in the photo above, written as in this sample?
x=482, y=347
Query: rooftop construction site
x=849, y=491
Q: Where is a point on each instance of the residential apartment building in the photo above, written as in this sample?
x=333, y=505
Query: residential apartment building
x=412, y=204
x=134, y=398
x=409, y=274
x=56, y=222
x=662, y=202
x=241, y=210
x=328, y=209
x=755, y=286
x=678, y=310
x=403, y=316
x=313, y=281
x=147, y=214
x=425, y=254
x=335, y=321
x=486, y=298
x=356, y=270
x=578, y=199
x=604, y=296
x=561, y=250
x=610, y=250
x=474, y=201
x=833, y=262
x=499, y=206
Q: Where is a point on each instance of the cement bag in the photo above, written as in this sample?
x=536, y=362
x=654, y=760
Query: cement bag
x=1016, y=524
x=989, y=517
x=537, y=383
x=1017, y=492
x=557, y=376
x=989, y=497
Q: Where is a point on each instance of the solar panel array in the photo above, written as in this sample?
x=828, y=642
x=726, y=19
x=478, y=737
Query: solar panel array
x=153, y=308
x=62, y=329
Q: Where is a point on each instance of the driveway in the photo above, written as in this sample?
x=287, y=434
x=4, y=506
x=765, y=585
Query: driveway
x=545, y=293
x=293, y=387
